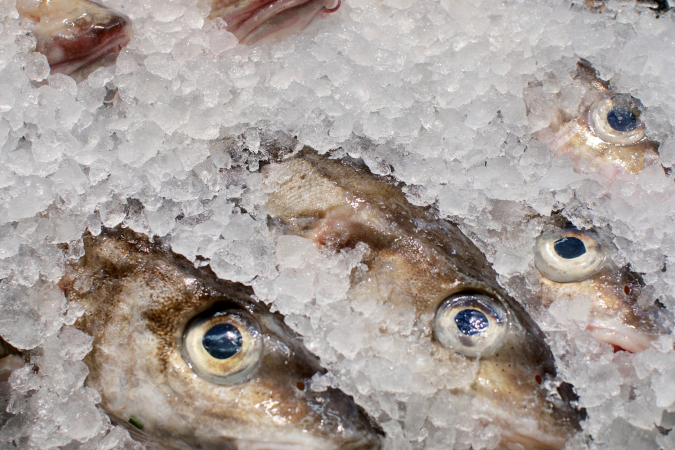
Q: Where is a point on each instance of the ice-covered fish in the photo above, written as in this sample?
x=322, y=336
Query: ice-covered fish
x=416, y=260
x=253, y=20
x=574, y=263
x=194, y=362
x=76, y=36
x=600, y=130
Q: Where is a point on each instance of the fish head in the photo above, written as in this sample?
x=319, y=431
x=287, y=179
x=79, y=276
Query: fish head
x=604, y=133
x=418, y=263
x=576, y=263
x=76, y=36
x=254, y=20
x=191, y=361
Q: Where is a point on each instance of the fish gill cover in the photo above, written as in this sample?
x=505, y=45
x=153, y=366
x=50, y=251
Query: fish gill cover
x=457, y=101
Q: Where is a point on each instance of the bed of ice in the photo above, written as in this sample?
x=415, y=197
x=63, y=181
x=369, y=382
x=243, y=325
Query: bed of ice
x=170, y=139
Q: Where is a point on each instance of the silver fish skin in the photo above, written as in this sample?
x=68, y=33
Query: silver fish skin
x=76, y=36
x=615, y=316
x=143, y=304
x=417, y=260
x=254, y=20
x=584, y=132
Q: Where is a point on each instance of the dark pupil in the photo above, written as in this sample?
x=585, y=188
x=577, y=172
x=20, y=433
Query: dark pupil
x=569, y=247
x=622, y=119
x=222, y=341
x=471, y=322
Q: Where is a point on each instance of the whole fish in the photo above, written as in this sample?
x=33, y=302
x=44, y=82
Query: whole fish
x=603, y=133
x=253, y=20
x=189, y=361
x=76, y=36
x=575, y=263
x=417, y=260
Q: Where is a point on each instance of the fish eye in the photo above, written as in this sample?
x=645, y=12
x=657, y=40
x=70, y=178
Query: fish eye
x=471, y=323
x=223, y=347
x=568, y=254
x=616, y=120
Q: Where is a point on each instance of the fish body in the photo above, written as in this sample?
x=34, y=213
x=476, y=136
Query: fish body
x=76, y=36
x=416, y=260
x=574, y=263
x=253, y=20
x=188, y=361
x=603, y=134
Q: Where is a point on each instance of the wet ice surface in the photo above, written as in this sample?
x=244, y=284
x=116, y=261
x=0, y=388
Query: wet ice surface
x=170, y=139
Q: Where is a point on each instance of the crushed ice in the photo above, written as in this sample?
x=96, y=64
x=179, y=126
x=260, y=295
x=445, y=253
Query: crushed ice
x=169, y=140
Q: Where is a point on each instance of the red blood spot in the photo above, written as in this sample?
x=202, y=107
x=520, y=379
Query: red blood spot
x=300, y=385
x=538, y=379
x=618, y=348
x=626, y=289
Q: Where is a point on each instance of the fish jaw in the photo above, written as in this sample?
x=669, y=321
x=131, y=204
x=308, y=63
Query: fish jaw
x=415, y=261
x=614, y=317
x=138, y=300
x=620, y=336
x=254, y=20
x=531, y=440
x=76, y=36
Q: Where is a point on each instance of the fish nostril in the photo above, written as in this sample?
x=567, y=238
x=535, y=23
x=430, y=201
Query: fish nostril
x=537, y=378
x=300, y=385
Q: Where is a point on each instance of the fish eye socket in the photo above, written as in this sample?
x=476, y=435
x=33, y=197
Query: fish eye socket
x=566, y=255
x=471, y=323
x=223, y=347
x=616, y=120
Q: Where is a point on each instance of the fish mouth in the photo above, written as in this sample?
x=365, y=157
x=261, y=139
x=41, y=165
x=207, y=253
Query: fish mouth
x=517, y=440
x=620, y=336
x=277, y=18
x=249, y=444
x=112, y=37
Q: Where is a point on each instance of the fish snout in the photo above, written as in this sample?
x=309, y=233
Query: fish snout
x=343, y=421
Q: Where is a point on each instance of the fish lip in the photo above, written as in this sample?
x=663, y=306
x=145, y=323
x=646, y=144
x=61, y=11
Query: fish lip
x=620, y=336
x=247, y=28
x=115, y=38
x=531, y=441
x=353, y=444
x=71, y=66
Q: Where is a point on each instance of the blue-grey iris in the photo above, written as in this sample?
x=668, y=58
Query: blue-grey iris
x=622, y=119
x=222, y=341
x=569, y=247
x=471, y=322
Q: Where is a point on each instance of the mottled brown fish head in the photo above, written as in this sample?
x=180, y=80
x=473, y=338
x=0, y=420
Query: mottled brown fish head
x=414, y=260
x=190, y=361
x=576, y=263
x=603, y=132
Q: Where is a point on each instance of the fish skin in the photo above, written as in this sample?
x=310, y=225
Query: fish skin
x=254, y=20
x=615, y=317
x=570, y=134
x=76, y=36
x=419, y=261
x=138, y=299
x=10, y=359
